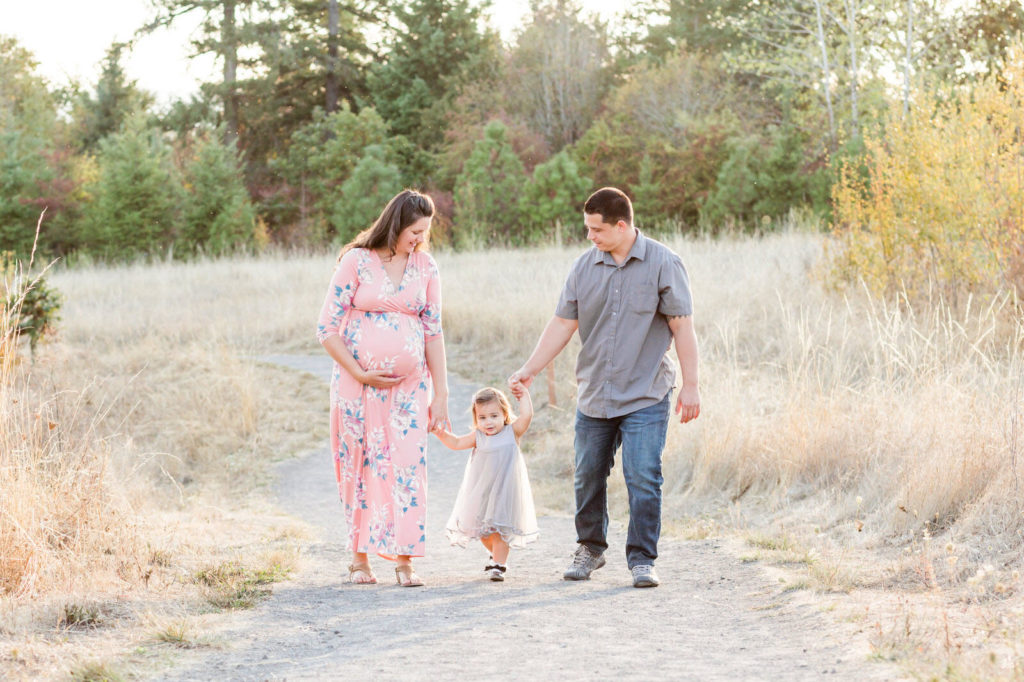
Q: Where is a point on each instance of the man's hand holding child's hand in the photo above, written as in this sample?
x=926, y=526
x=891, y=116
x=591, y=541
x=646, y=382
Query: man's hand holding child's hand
x=517, y=388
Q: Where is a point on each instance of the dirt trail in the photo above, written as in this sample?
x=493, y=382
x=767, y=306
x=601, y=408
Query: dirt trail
x=713, y=617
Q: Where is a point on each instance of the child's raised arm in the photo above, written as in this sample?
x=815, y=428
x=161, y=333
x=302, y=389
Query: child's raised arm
x=453, y=442
x=522, y=422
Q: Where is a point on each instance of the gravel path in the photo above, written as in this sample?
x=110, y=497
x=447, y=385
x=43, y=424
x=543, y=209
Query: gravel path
x=713, y=617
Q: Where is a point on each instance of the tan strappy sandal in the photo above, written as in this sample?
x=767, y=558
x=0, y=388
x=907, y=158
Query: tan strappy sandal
x=411, y=579
x=355, y=569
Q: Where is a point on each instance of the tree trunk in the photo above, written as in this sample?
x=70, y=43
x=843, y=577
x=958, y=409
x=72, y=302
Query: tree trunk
x=229, y=47
x=852, y=6
x=331, y=103
x=826, y=76
x=909, y=57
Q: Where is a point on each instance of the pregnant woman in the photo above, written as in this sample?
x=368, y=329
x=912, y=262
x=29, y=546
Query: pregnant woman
x=381, y=323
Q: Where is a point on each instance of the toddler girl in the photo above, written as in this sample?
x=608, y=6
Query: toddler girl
x=494, y=502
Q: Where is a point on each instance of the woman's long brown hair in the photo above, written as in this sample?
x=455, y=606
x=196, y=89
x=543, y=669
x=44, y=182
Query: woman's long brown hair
x=403, y=210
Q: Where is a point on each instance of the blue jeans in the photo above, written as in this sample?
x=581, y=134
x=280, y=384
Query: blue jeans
x=642, y=437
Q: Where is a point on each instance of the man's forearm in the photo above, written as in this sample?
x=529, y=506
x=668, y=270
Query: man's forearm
x=685, y=340
x=553, y=339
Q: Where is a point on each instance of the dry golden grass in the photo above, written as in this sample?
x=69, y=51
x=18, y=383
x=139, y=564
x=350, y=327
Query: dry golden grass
x=130, y=450
x=845, y=426
x=808, y=398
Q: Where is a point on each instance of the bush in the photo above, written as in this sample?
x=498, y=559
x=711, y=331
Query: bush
x=371, y=185
x=137, y=198
x=487, y=192
x=31, y=306
x=939, y=199
x=219, y=216
x=555, y=194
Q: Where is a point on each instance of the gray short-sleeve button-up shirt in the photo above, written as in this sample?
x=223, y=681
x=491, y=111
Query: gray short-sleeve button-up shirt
x=621, y=310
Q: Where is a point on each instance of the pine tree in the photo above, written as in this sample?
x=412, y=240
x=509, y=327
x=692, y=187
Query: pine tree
x=218, y=216
x=646, y=191
x=487, y=192
x=322, y=156
x=33, y=165
x=22, y=168
x=555, y=193
x=372, y=183
x=116, y=99
x=137, y=197
x=439, y=49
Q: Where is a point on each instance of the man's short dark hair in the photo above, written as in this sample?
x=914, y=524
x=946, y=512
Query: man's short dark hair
x=612, y=204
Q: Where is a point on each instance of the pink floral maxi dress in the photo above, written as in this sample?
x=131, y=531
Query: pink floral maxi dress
x=379, y=436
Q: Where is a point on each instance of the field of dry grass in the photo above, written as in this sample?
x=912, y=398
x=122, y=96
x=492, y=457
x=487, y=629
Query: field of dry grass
x=132, y=452
x=858, y=447
x=870, y=452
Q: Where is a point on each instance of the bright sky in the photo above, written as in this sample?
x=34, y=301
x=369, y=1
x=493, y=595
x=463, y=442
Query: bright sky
x=69, y=39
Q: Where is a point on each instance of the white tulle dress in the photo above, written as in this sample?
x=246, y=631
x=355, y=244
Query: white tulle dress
x=495, y=494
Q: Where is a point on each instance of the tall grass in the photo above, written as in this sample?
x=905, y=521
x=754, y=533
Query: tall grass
x=811, y=401
x=59, y=508
x=150, y=412
x=149, y=405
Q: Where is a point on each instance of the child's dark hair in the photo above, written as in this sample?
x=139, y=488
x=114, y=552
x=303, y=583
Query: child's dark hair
x=487, y=395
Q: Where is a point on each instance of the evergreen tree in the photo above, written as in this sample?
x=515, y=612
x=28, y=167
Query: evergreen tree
x=736, y=192
x=555, y=193
x=34, y=167
x=438, y=49
x=22, y=168
x=710, y=27
x=646, y=191
x=322, y=156
x=330, y=37
x=764, y=177
x=137, y=196
x=116, y=99
x=370, y=186
x=226, y=28
x=487, y=192
x=218, y=216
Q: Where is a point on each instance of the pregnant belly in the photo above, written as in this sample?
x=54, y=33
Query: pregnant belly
x=388, y=341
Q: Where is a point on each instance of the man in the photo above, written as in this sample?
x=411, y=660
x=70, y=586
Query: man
x=629, y=297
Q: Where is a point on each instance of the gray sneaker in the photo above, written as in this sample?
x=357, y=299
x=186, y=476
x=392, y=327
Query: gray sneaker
x=644, y=575
x=584, y=562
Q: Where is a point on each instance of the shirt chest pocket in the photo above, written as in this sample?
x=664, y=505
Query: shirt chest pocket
x=642, y=298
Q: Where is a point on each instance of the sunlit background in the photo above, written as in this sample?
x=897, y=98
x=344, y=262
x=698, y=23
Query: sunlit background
x=69, y=39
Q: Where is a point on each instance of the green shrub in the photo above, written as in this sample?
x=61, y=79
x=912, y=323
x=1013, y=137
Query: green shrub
x=487, y=192
x=137, y=198
x=555, y=194
x=31, y=306
x=219, y=216
x=371, y=185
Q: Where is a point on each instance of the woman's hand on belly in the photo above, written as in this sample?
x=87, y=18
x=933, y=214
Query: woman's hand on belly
x=379, y=378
